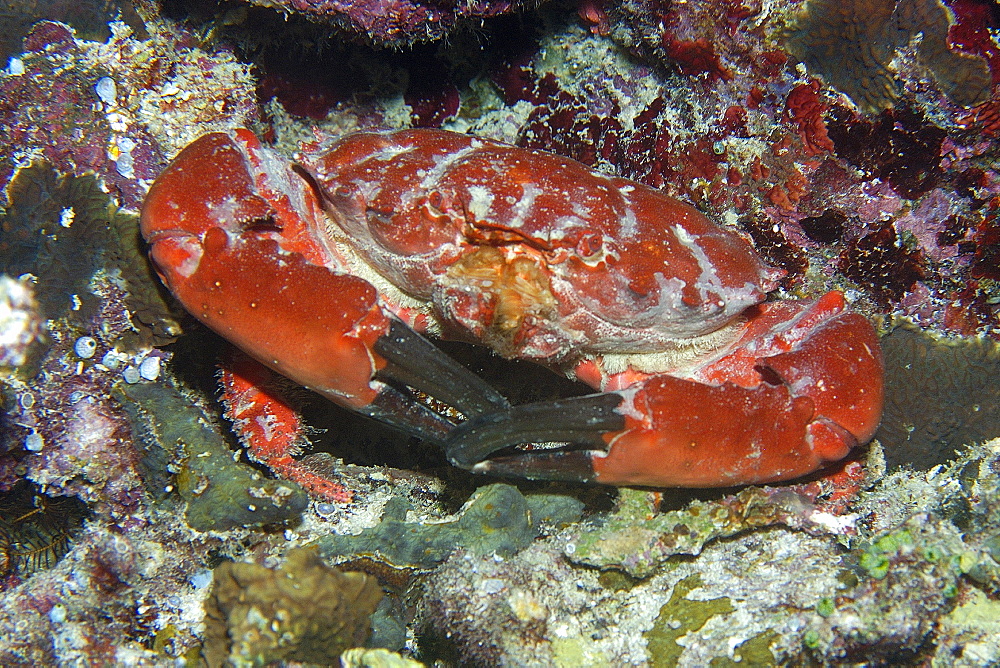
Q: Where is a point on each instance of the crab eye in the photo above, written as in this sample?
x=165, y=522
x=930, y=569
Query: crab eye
x=768, y=375
x=262, y=224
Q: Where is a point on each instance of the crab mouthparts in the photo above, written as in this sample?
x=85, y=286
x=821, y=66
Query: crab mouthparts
x=514, y=295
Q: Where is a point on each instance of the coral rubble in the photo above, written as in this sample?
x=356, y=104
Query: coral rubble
x=904, y=589
x=639, y=542
x=21, y=325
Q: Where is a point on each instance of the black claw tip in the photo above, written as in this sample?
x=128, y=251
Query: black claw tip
x=578, y=420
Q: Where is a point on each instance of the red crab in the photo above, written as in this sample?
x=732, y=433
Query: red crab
x=325, y=269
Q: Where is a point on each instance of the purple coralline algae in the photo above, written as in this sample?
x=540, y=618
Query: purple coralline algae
x=116, y=108
x=395, y=23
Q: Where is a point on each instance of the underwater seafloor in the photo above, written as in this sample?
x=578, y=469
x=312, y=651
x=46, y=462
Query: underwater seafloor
x=854, y=142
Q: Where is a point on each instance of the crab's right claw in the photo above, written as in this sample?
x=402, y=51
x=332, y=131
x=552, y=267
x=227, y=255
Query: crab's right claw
x=234, y=235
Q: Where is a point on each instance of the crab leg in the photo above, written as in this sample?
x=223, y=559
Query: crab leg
x=231, y=234
x=816, y=394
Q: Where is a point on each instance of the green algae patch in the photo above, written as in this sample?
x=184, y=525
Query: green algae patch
x=497, y=519
x=617, y=580
x=304, y=611
x=979, y=612
x=678, y=617
x=577, y=652
x=755, y=651
x=914, y=544
x=220, y=493
x=826, y=606
x=638, y=539
x=363, y=657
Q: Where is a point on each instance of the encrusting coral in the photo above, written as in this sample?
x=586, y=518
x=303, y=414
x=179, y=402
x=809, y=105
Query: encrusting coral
x=62, y=229
x=941, y=394
x=302, y=611
x=852, y=45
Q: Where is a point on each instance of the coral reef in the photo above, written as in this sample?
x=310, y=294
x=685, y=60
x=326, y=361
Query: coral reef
x=220, y=493
x=637, y=539
x=35, y=530
x=117, y=108
x=61, y=229
x=89, y=18
x=397, y=23
x=531, y=609
x=897, y=147
x=916, y=559
x=854, y=143
x=106, y=600
x=359, y=657
x=54, y=229
x=21, y=325
x=920, y=569
x=682, y=615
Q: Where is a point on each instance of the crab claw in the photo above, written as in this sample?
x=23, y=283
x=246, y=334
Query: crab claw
x=803, y=394
x=232, y=233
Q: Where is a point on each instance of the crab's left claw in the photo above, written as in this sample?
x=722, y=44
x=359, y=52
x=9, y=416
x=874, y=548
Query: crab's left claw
x=233, y=234
x=809, y=392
